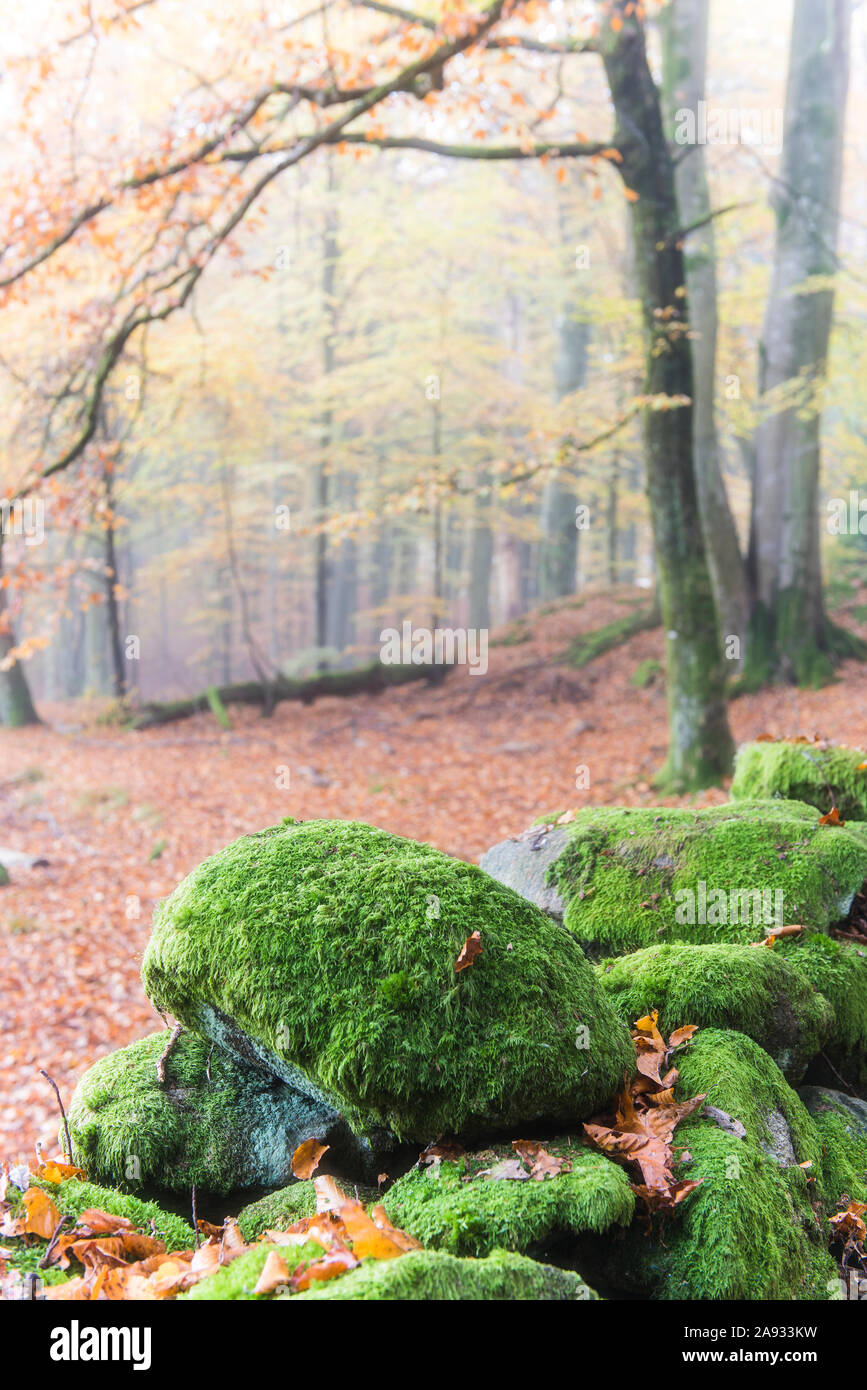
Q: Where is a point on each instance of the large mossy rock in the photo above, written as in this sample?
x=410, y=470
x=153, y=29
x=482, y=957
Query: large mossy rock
x=434, y=1276
x=842, y=1124
x=217, y=1123
x=750, y=989
x=838, y=970
x=640, y=877
x=749, y=1231
x=421, y=1275
x=802, y=771
x=327, y=950
x=465, y=1208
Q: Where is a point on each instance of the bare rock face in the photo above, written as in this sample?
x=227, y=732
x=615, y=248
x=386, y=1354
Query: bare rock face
x=522, y=863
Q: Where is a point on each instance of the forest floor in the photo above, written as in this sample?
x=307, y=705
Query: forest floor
x=121, y=817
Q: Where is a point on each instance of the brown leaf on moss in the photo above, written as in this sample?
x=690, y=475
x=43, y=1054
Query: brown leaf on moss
x=471, y=948
x=275, y=1274
x=832, y=818
x=540, y=1163
x=331, y=1266
x=42, y=1215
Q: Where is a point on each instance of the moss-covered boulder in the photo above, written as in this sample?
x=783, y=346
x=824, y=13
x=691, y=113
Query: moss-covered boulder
x=466, y=1208
x=327, y=949
x=838, y=970
x=803, y=771
x=749, y=1231
x=842, y=1124
x=634, y=877
x=420, y=1275
x=750, y=989
x=216, y=1122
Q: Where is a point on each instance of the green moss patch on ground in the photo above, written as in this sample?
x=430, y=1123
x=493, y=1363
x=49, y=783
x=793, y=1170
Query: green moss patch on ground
x=752, y=990
x=278, y=1210
x=298, y=935
x=74, y=1196
x=236, y=1281
x=838, y=970
x=216, y=1123
x=632, y=877
x=822, y=777
x=436, y=1276
x=448, y=1207
x=588, y=645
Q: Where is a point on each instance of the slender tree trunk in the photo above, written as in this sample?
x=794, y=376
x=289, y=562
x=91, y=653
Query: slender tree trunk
x=558, y=546
x=481, y=557
x=700, y=742
x=16, y=703
x=790, y=634
x=330, y=253
x=112, y=579
x=684, y=26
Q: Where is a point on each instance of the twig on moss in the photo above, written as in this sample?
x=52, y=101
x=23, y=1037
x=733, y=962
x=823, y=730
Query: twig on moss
x=847, y=1084
x=167, y=1052
x=53, y=1084
x=195, y=1215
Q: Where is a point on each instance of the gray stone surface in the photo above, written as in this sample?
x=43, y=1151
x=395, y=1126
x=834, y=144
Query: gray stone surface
x=522, y=862
x=823, y=1098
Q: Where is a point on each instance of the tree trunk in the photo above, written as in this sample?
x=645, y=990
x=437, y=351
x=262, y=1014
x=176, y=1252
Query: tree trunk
x=683, y=26
x=789, y=633
x=481, y=557
x=112, y=579
x=16, y=703
x=700, y=743
x=558, y=547
x=330, y=252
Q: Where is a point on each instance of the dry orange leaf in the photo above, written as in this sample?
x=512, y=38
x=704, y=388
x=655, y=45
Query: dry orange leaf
x=540, y=1163
x=832, y=818
x=328, y=1195
x=471, y=948
x=275, y=1274
x=307, y=1157
x=55, y=1171
x=369, y=1242
x=42, y=1215
x=336, y=1262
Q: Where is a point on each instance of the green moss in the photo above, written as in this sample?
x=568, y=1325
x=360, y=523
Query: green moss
x=428, y=1275
x=588, y=645
x=821, y=777
x=278, y=1211
x=838, y=970
x=645, y=673
x=627, y=875
x=23, y=1258
x=72, y=1197
x=216, y=1123
x=844, y=1147
x=749, y=1232
x=236, y=1281
x=442, y=1209
x=280, y=943
x=754, y=991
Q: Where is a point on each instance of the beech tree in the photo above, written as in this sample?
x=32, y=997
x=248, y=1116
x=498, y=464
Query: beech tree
x=790, y=632
x=166, y=212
